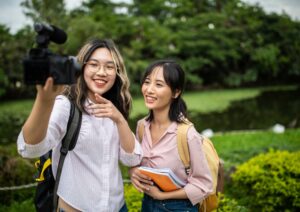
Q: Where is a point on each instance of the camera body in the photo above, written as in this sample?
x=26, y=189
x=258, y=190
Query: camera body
x=41, y=63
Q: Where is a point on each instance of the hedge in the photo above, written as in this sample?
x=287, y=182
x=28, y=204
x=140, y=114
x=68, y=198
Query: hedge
x=269, y=182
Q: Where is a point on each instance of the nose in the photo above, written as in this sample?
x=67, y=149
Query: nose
x=149, y=88
x=101, y=70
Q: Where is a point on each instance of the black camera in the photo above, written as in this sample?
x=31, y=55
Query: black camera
x=41, y=63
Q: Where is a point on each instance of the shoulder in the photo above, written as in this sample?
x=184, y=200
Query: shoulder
x=60, y=112
x=193, y=134
x=62, y=98
x=142, y=122
x=62, y=103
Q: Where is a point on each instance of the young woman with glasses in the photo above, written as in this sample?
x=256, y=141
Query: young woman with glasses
x=91, y=179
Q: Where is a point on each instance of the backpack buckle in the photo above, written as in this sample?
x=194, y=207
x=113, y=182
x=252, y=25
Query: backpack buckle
x=187, y=170
x=64, y=151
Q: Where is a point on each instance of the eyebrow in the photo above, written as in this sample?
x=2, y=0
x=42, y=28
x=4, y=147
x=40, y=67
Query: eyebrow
x=162, y=81
x=157, y=80
x=109, y=61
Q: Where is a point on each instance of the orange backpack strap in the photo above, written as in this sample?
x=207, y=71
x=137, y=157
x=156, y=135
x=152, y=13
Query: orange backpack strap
x=182, y=144
x=141, y=129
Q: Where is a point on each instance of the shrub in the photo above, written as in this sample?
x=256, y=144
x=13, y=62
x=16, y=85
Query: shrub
x=26, y=205
x=15, y=171
x=227, y=204
x=269, y=182
x=10, y=125
x=133, y=198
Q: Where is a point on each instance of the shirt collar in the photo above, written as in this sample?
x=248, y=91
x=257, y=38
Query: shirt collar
x=171, y=129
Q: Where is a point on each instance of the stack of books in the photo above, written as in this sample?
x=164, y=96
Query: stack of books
x=164, y=178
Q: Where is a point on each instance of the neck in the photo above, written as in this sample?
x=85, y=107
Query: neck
x=161, y=119
x=91, y=96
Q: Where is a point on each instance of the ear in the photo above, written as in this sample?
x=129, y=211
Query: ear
x=176, y=94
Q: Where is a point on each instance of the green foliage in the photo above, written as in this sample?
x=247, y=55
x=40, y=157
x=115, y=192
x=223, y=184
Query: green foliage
x=219, y=43
x=133, y=198
x=3, y=81
x=50, y=11
x=10, y=125
x=15, y=171
x=12, y=51
x=210, y=100
x=270, y=182
x=227, y=204
x=237, y=148
x=266, y=59
x=26, y=205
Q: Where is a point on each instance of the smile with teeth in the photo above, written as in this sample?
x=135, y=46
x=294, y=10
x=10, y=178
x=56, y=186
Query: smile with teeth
x=99, y=82
x=150, y=99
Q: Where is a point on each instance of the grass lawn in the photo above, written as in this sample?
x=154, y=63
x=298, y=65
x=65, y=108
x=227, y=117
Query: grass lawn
x=200, y=101
x=17, y=106
x=236, y=148
x=210, y=100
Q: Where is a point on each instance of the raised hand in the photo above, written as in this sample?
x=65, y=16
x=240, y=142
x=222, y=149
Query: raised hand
x=35, y=127
x=49, y=91
x=105, y=108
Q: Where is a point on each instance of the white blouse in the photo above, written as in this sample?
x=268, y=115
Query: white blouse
x=91, y=178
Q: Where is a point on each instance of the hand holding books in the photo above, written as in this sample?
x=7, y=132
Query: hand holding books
x=140, y=181
x=164, y=178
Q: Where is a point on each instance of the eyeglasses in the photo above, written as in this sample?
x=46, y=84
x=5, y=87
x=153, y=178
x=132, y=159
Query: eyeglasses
x=94, y=66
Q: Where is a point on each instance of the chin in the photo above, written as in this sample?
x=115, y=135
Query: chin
x=149, y=106
x=100, y=90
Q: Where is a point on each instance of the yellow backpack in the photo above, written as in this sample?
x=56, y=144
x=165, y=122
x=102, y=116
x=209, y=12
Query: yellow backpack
x=215, y=164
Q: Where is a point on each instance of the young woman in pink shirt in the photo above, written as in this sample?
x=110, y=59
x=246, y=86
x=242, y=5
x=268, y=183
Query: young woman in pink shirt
x=162, y=87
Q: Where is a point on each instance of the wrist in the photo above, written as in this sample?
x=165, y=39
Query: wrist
x=163, y=195
x=121, y=120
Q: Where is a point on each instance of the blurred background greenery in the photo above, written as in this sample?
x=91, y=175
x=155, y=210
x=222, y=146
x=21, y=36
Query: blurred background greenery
x=243, y=73
x=219, y=43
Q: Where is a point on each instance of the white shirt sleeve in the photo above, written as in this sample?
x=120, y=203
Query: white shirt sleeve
x=55, y=132
x=134, y=158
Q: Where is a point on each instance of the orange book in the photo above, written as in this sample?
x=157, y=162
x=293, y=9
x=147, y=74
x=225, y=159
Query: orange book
x=164, y=178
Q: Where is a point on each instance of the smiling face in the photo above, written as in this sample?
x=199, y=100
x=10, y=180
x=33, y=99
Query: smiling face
x=98, y=75
x=157, y=93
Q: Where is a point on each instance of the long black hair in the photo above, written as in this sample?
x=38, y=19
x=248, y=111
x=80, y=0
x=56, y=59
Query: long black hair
x=175, y=79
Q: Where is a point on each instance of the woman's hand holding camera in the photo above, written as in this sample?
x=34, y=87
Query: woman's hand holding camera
x=49, y=91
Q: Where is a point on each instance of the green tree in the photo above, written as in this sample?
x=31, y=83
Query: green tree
x=13, y=50
x=49, y=11
x=6, y=40
x=223, y=43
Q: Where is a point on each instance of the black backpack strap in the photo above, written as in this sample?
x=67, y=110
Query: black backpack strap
x=68, y=141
